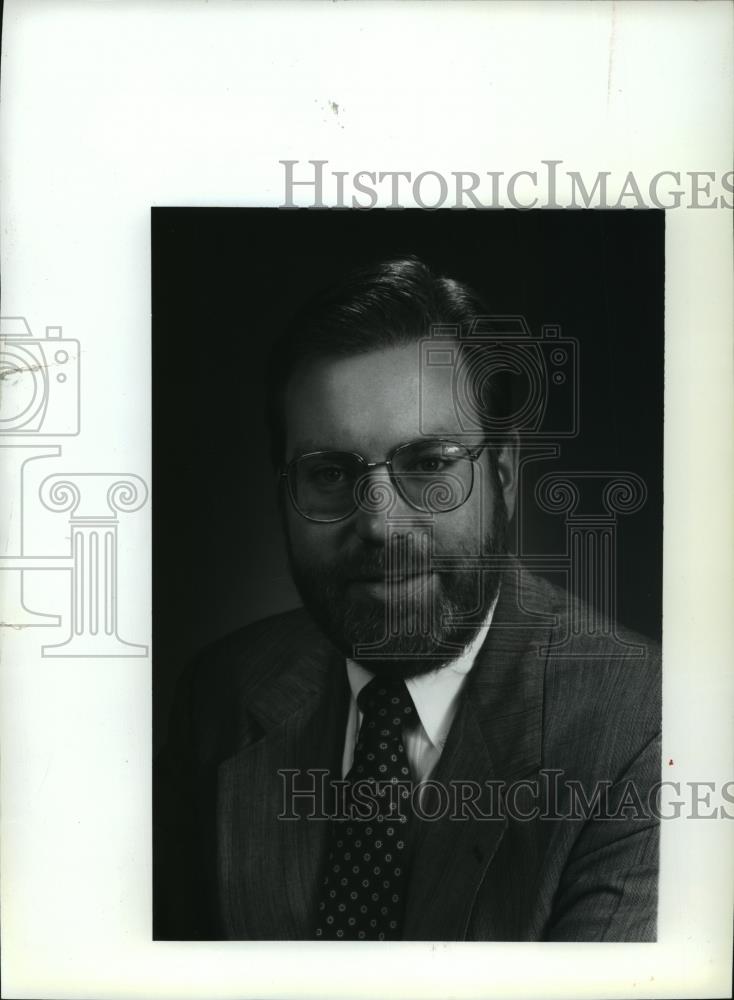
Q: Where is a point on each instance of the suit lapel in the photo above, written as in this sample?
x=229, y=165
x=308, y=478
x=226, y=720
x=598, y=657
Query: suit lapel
x=269, y=866
x=496, y=738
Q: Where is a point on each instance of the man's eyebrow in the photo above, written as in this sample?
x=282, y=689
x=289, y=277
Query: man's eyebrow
x=309, y=445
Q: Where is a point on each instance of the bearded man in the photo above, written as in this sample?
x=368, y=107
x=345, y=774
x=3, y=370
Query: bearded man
x=408, y=756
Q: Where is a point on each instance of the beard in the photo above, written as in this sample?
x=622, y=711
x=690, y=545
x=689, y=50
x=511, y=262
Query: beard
x=386, y=608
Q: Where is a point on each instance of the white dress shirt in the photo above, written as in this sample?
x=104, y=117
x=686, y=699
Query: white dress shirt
x=435, y=696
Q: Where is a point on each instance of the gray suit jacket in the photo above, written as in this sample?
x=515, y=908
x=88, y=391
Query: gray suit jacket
x=543, y=708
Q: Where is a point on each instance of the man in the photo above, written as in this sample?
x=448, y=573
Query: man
x=426, y=750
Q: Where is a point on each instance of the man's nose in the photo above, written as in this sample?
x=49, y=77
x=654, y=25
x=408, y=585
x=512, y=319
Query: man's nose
x=376, y=497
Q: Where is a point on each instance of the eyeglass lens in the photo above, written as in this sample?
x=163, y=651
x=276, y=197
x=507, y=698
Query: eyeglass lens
x=433, y=476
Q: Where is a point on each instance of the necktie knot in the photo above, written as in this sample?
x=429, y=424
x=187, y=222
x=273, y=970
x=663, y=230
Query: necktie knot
x=387, y=704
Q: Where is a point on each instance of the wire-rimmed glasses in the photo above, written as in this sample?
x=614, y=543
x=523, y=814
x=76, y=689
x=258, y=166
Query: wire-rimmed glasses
x=432, y=475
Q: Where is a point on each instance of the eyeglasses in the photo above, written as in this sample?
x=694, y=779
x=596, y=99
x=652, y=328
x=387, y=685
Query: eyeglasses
x=432, y=475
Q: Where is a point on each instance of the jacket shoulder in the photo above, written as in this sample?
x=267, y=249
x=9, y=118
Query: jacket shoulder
x=581, y=631
x=258, y=636
x=230, y=674
x=255, y=653
x=602, y=680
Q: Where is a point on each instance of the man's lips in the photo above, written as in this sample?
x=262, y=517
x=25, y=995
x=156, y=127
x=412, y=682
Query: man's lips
x=386, y=577
x=380, y=586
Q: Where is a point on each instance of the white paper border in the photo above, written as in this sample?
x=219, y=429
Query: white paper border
x=109, y=108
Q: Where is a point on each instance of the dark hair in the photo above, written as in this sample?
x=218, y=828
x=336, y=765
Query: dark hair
x=393, y=302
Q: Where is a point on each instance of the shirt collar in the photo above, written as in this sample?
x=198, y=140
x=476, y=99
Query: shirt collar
x=434, y=694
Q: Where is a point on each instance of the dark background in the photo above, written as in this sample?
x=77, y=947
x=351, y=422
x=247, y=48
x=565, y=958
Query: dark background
x=224, y=281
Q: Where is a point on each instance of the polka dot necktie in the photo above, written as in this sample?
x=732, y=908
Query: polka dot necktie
x=363, y=890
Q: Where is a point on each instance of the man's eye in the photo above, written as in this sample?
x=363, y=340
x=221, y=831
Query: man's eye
x=430, y=464
x=329, y=475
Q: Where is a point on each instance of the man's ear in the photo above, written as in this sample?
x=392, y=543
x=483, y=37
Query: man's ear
x=507, y=463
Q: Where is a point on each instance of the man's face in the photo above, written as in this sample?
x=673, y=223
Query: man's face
x=371, y=579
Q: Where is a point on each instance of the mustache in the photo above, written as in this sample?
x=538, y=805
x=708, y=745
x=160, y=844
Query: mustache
x=403, y=557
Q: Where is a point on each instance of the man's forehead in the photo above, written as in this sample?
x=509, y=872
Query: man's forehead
x=368, y=401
